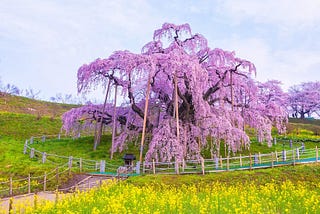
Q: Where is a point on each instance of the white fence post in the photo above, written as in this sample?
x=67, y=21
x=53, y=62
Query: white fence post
x=25, y=147
x=44, y=157
x=138, y=167
x=153, y=167
x=177, y=167
x=32, y=153
x=202, y=165
x=102, y=166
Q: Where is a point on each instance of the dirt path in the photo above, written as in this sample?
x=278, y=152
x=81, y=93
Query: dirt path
x=21, y=201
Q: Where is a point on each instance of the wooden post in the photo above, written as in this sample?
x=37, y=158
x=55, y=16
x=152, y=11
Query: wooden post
x=250, y=167
x=153, y=166
x=114, y=121
x=25, y=147
x=98, y=134
x=144, y=167
x=57, y=175
x=102, y=166
x=145, y=118
x=10, y=186
x=228, y=164
x=298, y=153
x=32, y=153
x=221, y=162
x=31, y=140
x=45, y=181
x=317, y=154
x=59, y=136
x=277, y=156
x=216, y=160
x=70, y=164
x=240, y=160
x=272, y=160
x=177, y=167
x=138, y=167
x=43, y=139
x=202, y=166
x=80, y=165
x=260, y=161
x=177, y=107
x=183, y=165
x=293, y=158
x=29, y=183
x=97, y=164
x=44, y=157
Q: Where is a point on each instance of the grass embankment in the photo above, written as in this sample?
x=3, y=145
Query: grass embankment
x=23, y=105
x=279, y=190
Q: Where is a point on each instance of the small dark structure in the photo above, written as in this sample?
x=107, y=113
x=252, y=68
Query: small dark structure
x=128, y=160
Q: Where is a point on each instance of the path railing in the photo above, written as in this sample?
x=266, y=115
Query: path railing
x=65, y=165
x=252, y=161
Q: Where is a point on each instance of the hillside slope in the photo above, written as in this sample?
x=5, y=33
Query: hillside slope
x=23, y=105
x=21, y=117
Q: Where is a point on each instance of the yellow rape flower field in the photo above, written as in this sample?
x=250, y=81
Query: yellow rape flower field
x=202, y=197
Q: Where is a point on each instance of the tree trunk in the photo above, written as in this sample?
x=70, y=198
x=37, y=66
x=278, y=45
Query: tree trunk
x=114, y=121
x=98, y=132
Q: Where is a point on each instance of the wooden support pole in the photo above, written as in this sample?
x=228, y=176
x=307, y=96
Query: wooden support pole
x=153, y=166
x=250, y=160
x=221, y=164
x=114, y=121
x=80, y=165
x=202, y=166
x=240, y=160
x=143, y=167
x=272, y=160
x=57, y=175
x=277, y=156
x=145, y=118
x=317, y=154
x=177, y=167
x=293, y=158
x=260, y=161
x=29, y=183
x=228, y=163
x=45, y=181
x=10, y=187
x=25, y=148
x=177, y=107
x=100, y=127
x=183, y=165
x=70, y=164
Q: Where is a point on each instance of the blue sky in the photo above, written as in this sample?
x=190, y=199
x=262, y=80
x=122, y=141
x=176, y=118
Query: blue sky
x=44, y=42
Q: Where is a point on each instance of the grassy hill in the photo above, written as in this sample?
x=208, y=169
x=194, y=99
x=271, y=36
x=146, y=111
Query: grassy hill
x=21, y=117
x=23, y=105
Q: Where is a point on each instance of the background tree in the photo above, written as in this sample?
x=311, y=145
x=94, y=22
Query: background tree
x=304, y=99
x=193, y=93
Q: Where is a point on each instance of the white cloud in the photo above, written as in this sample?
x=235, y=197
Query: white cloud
x=292, y=13
x=289, y=66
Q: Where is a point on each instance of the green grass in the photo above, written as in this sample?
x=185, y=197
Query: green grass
x=23, y=126
x=23, y=105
